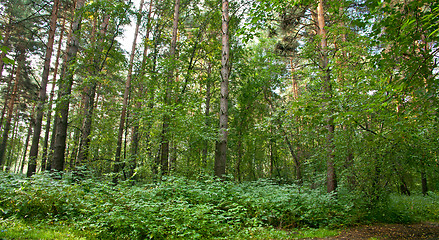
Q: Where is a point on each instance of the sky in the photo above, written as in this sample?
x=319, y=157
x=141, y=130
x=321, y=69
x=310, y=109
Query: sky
x=126, y=39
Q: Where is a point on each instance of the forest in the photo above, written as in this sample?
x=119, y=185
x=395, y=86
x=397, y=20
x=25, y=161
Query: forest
x=217, y=119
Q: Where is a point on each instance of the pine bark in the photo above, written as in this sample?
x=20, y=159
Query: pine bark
x=65, y=89
x=136, y=136
x=49, y=107
x=117, y=164
x=164, y=157
x=221, y=155
x=7, y=96
x=206, y=114
x=7, y=34
x=90, y=94
x=18, y=72
x=42, y=94
x=330, y=172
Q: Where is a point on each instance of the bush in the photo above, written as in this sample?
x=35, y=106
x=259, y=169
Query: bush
x=174, y=208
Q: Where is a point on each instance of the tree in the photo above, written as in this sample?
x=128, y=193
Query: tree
x=221, y=155
x=42, y=94
x=65, y=89
x=118, y=164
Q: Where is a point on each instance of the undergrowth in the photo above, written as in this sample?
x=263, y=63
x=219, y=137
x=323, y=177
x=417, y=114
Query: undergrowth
x=176, y=208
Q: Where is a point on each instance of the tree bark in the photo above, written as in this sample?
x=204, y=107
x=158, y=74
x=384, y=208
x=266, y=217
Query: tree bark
x=65, y=89
x=136, y=136
x=424, y=180
x=117, y=164
x=90, y=94
x=7, y=34
x=42, y=94
x=7, y=96
x=221, y=156
x=26, y=144
x=18, y=73
x=164, y=157
x=52, y=93
x=12, y=145
x=330, y=174
x=206, y=114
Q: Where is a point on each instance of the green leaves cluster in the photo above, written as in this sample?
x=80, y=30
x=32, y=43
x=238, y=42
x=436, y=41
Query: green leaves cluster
x=176, y=208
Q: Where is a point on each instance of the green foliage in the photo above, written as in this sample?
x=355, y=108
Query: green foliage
x=416, y=207
x=175, y=208
x=18, y=229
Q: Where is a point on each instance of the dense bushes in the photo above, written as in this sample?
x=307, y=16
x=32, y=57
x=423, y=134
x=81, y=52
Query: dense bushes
x=175, y=208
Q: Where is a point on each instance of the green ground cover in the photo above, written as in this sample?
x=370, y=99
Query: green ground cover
x=178, y=208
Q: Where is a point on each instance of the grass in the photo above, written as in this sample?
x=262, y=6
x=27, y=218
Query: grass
x=262, y=233
x=20, y=229
x=417, y=207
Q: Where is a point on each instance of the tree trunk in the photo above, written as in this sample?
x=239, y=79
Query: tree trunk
x=10, y=154
x=20, y=62
x=32, y=167
x=52, y=93
x=221, y=156
x=7, y=34
x=117, y=164
x=90, y=94
x=65, y=89
x=164, y=157
x=206, y=114
x=330, y=175
x=424, y=180
x=136, y=136
x=26, y=144
x=7, y=96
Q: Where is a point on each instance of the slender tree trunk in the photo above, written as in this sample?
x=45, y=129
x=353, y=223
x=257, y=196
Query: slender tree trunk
x=117, y=164
x=42, y=94
x=52, y=93
x=12, y=145
x=136, y=136
x=18, y=72
x=26, y=144
x=424, y=180
x=221, y=156
x=164, y=157
x=331, y=177
x=206, y=114
x=239, y=157
x=7, y=34
x=90, y=94
x=65, y=89
x=7, y=96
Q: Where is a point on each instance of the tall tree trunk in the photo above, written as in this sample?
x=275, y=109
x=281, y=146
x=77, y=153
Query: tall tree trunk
x=221, y=156
x=330, y=174
x=90, y=94
x=117, y=164
x=7, y=96
x=136, y=136
x=32, y=167
x=240, y=153
x=26, y=144
x=18, y=72
x=424, y=180
x=207, y=113
x=12, y=145
x=49, y=107
x=65, y=89
x=7, y=34
x=164, y=157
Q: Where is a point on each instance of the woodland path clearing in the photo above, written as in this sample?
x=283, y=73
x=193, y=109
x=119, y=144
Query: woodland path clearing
x=426, y=230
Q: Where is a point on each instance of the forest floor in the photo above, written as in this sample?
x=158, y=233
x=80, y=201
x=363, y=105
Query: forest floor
x=426, y=230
